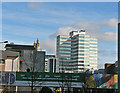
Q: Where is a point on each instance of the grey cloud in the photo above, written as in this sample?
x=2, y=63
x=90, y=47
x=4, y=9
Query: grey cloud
x=49, y=45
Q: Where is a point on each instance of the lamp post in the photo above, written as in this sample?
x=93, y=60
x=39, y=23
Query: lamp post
x=1, y=43
x=4, y=42
x=119, y=57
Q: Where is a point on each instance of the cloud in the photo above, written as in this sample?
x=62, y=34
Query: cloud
x=112, y=22
x=49, y=45
x=106, y=56
x=93, y=29
x=107, y=36
x=33, y=5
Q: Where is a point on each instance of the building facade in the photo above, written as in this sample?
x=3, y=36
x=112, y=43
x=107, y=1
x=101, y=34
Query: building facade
x=9, y=61
x=31, y=56
x=111, y=68
x=76, y=52
x=50, y=63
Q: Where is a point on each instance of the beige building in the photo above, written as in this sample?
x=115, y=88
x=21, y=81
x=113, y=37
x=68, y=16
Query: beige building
x=12, y=63
x=9, y=61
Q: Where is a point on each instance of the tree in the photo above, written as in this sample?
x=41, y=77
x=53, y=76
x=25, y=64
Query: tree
x=69, y=81
x=33, y=65
x=89, y=81
x=5, y=89
x=66, y=78
x=46, y=90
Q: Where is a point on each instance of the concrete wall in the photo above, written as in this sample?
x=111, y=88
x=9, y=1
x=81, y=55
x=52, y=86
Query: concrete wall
x=27, y=57
x=32, y=59
x=40, y=61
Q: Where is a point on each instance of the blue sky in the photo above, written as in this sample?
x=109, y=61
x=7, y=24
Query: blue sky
x=22, y=23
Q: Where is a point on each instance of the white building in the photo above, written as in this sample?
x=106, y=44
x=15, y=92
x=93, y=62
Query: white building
x=50, y=63
x=76, y=52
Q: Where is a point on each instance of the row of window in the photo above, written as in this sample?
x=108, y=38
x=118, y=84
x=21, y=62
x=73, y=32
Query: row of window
x=65, y=55
x=64, y=45
x=69, y=43
x=77, y=44
x=72, y=69
x=93, y=53
x=84, y=40
x=93, y=50
x=82, y=47
x=76, y=65
x=64, y=41
x=64, y=48
x=77, y=55
x=93, y=43
x=93, y=56
x=64, y=51
x=94, y=40
x=73, y=40
x=76, y=61
x=80, y=50
x=65, y=38
x=93, y=47
x=78, y=58
x=93, y=63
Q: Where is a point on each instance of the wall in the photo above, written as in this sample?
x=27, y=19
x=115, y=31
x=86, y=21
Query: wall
x=33, y=59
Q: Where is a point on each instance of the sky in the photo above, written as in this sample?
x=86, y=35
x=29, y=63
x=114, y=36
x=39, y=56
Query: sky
x=23, y=23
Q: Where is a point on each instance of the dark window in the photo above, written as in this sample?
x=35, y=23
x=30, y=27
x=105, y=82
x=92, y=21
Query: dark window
x=51, y=65
x=2, y=61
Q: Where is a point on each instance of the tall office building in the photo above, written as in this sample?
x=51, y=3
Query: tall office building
x=76, y=52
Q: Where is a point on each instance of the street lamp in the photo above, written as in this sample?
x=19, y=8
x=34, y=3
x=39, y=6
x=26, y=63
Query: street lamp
x=4, y=42
x=118, y=56
x=2, y=45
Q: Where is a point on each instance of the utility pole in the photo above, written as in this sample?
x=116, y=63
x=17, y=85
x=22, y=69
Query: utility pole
x=119, y=57
x=118, y=48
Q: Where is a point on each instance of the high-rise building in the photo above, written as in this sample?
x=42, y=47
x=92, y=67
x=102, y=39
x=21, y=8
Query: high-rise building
x=76, y=52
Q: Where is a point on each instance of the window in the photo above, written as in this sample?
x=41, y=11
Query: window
x=81, y=36
x=2, y=61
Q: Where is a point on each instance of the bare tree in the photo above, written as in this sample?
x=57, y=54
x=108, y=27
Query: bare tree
x=32, y=69
x=65, y=79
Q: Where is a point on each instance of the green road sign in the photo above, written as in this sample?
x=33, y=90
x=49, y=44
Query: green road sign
x=47, y=76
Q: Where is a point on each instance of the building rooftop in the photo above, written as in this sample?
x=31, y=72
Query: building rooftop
x=77, y=32
x=14, y=46
x=6, y=53
x=47, y=56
